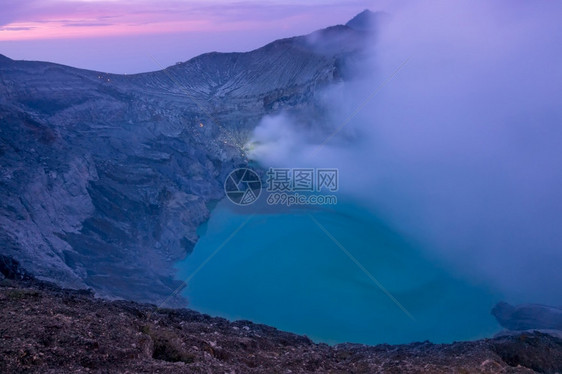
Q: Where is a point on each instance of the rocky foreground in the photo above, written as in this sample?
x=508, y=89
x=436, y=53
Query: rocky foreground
x=46, y=329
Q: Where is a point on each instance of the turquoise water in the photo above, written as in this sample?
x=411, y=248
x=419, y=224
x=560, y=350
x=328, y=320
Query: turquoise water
x=281, y=269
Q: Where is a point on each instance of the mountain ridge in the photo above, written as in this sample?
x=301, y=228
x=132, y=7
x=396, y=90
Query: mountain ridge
x=104, y=178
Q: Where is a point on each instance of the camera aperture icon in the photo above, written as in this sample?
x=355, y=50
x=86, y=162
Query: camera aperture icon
x=242, y=186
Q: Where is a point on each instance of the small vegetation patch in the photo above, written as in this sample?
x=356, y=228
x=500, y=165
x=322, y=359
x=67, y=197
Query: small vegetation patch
x=167, y=346
x=19, y=294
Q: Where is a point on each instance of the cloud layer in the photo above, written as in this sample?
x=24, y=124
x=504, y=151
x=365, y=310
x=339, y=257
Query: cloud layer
x=121, y=36
x=52, y=19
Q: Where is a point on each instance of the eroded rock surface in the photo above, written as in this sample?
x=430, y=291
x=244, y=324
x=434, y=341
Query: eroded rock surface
x=45, y=329
x=105, y=178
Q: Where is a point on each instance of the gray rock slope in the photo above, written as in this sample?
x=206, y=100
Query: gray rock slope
x=528, y=316
x=105, y=178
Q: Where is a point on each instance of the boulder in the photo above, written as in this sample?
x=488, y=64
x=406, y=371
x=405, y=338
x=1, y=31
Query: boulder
x=528, y=316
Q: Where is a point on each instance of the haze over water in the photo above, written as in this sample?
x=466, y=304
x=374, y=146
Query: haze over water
x=281, y=269
x=451, y=168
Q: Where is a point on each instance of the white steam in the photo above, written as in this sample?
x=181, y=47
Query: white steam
x=462, y=149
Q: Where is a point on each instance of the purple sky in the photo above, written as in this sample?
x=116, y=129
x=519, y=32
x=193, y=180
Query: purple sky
x=127, y=36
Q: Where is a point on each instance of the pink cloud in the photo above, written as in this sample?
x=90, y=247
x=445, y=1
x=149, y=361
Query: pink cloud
x=62, y=19
x=120, y=36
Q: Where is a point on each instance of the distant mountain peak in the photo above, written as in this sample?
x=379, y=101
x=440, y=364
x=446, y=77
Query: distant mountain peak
x=364, y=21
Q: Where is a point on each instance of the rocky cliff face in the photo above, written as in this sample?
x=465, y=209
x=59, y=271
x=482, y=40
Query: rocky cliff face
x=104, y=178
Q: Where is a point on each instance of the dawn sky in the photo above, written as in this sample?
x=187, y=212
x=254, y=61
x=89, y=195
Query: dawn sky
x=129, y=36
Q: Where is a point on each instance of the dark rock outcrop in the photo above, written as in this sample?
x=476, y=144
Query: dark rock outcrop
x=528, y=316
x=11, y=269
